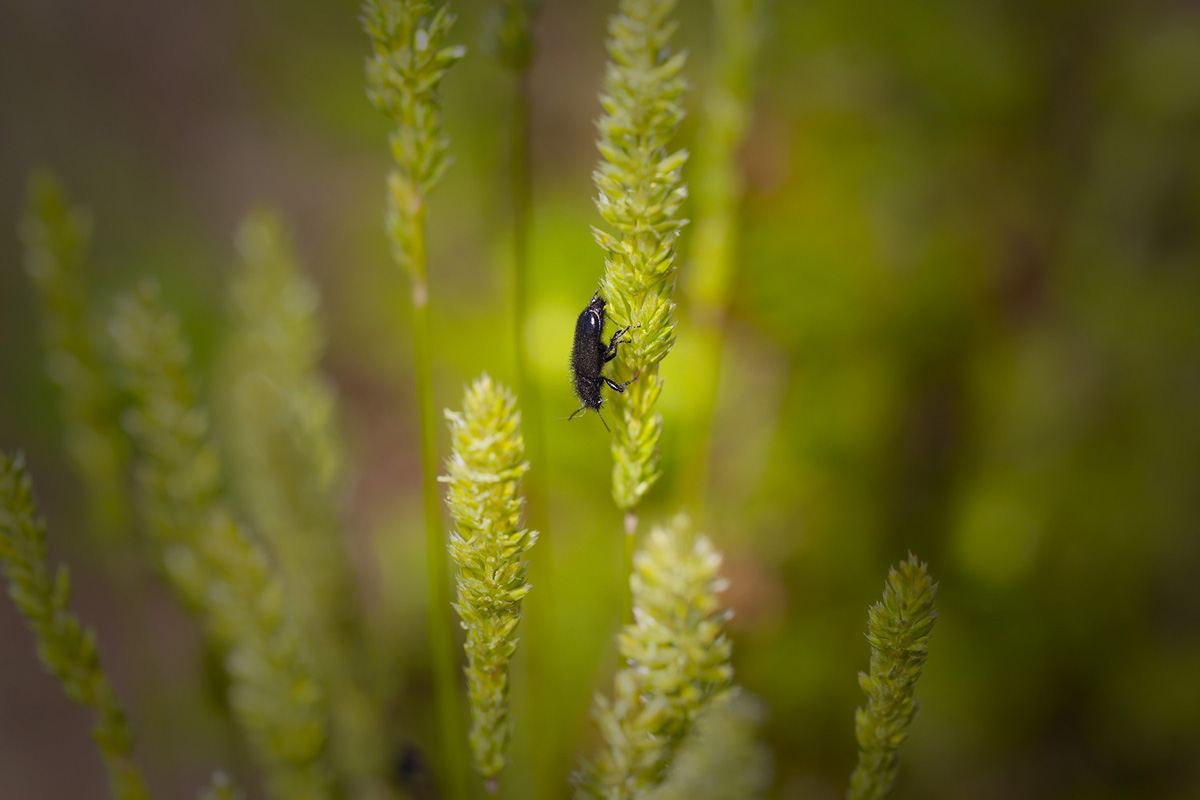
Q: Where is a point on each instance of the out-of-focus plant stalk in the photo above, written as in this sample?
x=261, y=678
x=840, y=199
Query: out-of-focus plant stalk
x=404, y=75
x=510, y=39
x=717, y=189
x=722, y=758
x=898, y=628
x=67, y=649
x=55, y=236
x=281, y=431
x=213, y=563
x=674, y=664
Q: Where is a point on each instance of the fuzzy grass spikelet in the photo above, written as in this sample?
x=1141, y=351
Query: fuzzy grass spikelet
x=723, y=758
x=403, y=79
x=641, y=191
x=66, y=648
x=898, y=628
x=485, y=469
x=55, y=235
x=674, y=662
x=280, y=428
x=217, y=568
x=274, y=693
x=178, y=472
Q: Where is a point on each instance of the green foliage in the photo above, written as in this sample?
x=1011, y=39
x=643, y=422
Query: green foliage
x=67, y=649
x=216, y=567
x=403, y=79
x=898, y=628
x=56, y=237
x=509, y=34
x=674, y=662
x=722, y=759
x=485, y=469
x=280, y=429
x=640, y=194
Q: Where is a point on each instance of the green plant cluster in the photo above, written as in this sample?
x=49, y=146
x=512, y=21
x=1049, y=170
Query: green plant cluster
x=486, y=464
x=67, y=649
x=641, y=192
x=56, y=237
x=674, y=662
x=278, y=597
x=898, y=628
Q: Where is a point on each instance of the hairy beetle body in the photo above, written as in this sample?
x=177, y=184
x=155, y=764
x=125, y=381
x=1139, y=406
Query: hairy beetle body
x=589, y=354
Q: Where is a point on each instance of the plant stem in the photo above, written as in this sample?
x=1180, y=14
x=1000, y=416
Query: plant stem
x=631, y=524
x=448, y=708
x=718, y=189
x=538, y=620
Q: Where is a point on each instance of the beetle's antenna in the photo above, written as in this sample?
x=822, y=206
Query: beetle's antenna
x=602, y=422
x=575, y=412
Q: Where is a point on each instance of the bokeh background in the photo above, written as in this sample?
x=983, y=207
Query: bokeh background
x=966, y=323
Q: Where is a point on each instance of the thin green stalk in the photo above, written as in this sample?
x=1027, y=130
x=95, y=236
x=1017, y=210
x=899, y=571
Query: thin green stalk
x=718, y=188
x=441, y=641
x=548, y=747
x=404, y=73
x=630, y=539
x=510, y=40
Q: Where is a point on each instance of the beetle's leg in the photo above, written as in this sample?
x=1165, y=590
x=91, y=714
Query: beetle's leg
x=619, y=387
x=611, y=351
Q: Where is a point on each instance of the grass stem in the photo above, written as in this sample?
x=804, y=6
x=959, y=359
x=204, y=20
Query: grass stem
x=443, y=659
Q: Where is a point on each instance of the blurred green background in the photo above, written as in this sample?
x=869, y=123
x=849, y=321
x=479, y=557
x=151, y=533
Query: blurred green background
x=966, y=323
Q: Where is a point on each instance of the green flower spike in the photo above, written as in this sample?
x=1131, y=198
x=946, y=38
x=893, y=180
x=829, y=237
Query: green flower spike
x=212, y=561
x=403, y=79
x=56, y=236
x=67, y=649
x=485, y=469
x=898, y=629
x=640, y=194
x=674, y=663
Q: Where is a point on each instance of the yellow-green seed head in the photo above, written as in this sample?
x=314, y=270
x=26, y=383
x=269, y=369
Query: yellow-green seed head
x=675, y=661
x=484, y=476
x=641, y=191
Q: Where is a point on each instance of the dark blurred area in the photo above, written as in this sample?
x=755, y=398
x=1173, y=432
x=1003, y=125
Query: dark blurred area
x=966, y=323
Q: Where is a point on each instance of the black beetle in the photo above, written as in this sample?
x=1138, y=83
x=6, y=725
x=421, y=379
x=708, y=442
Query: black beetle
x=589, y=354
